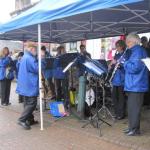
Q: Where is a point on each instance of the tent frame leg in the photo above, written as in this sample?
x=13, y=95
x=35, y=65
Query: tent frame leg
x=40, y=82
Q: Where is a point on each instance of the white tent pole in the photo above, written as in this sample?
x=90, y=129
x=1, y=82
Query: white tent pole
x=40, y=82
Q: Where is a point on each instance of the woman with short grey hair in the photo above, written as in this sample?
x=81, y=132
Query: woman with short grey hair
x=136, y=83
x=133, y=39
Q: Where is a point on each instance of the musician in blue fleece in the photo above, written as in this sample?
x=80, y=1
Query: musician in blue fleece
x=27, y=85
x=20, y=55
x=117, y=81
x=61, y=78
x=136, y=83
x=6, y=76
x=47, y=71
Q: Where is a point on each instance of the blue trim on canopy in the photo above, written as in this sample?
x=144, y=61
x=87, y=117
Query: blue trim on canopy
x=48, y=10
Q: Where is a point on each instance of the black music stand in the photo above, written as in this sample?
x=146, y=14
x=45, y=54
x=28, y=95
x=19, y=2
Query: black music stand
x=95, y=69
x=65, y=59
x=49, y=61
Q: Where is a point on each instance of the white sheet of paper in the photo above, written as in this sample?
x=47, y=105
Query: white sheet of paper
x=93, y=67
x=90, y=97
x=147, y=62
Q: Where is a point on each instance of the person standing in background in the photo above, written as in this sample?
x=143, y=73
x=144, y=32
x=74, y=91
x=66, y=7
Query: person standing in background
x=6, y=76
x=144, y=44
x=20, y=55
x=118, y=95
x=84, y=52
x=61, y=78
x=47, y=72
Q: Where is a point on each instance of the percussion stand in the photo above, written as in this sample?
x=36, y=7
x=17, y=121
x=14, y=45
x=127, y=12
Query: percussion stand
x=96, y=116
x=91, y=119
x=104, y=109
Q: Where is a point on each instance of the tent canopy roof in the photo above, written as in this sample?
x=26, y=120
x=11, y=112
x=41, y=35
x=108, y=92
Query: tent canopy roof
x=72, y=20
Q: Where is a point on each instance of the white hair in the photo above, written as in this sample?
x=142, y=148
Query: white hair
x=134, y=38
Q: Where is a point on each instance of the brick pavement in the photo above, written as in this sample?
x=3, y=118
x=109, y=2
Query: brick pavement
x=54, y=137
x=67, y=133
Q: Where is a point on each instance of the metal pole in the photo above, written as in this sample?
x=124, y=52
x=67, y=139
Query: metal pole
x=40, y=82
x=23, y=46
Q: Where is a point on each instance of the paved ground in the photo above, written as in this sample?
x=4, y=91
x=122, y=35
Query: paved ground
x=54, y=137
x=66, y=134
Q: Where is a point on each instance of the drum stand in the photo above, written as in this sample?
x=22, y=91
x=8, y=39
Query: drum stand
x=96, y=117
x=104, y=109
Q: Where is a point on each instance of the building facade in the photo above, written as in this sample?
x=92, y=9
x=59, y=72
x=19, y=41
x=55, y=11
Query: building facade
x=20, y=4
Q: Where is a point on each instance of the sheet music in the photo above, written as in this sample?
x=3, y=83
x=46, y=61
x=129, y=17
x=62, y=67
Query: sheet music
x=147, y=62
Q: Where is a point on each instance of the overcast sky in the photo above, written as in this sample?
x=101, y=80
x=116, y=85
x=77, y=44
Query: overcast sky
x=7, y=6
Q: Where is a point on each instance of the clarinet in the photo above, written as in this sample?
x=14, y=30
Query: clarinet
x=116, y=66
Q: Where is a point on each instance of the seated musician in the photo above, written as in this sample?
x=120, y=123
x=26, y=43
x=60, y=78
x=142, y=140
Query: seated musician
x=61, y=79
x=117, y=82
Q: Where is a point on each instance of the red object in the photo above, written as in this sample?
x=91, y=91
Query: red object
x=109, y=56
x=83, y=42
x=123, y=37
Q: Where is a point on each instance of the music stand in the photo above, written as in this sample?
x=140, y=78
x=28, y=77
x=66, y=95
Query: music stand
x=49, y=61
x=103, y=65
x=65, y=59
x=97, y=71
x=104, y=108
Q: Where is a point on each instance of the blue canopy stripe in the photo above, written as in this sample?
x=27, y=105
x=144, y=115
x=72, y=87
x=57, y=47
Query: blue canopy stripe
x=48, y=10
x=72, y=20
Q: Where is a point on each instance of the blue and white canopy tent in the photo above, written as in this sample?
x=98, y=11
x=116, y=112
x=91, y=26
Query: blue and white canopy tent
x=62, y=21
x=71, y=20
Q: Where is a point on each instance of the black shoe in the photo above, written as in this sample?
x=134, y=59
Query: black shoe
x=126, y=131
x=4, y=104
x=8, y=104
x=24, y=125
x=133, y=133
x=30, y=123
x=53, y=97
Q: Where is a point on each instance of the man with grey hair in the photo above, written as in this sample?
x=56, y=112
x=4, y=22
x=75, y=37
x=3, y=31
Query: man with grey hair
x=136, y=83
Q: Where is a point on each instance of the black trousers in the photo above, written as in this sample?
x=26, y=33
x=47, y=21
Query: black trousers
x=51, y=85
x=5, y=90
x=20, y=98
x=29, y=106
x=62, y=90
x=135, y=101
x=119, y=101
